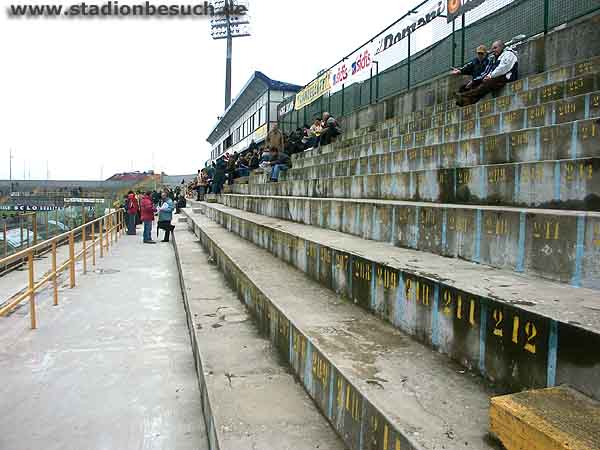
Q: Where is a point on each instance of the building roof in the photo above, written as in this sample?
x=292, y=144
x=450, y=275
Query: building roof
x=252, y=90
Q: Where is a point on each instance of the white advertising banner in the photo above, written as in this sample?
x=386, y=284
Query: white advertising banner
x=354, y=69
x=390, y=47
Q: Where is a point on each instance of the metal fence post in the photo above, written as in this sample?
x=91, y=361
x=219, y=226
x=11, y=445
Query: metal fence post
x=546, y=15
x=31, y=292
x=93, y=244
x=453, y=42
x=343, y=96
x=101, y=239
x=54, y=274
x=408, y=65
x=371, y=87
x=34, y=228
x=462, y=52
x=72, y=259
x=84, y=239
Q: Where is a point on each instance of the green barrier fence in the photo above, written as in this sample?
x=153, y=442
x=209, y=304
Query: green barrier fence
x=456, y=45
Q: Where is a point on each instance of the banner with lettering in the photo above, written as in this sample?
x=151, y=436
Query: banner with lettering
x=459, y=7
x=313, y=91
x=354, y=69
x=286, y=107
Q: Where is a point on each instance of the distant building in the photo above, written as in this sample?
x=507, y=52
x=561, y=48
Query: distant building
x=131, y=176
x=250, y=115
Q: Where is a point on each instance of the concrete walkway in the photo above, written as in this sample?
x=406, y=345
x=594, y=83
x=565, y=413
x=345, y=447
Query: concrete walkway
x=111, y=367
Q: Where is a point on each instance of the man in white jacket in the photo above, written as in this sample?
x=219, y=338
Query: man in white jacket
x=504, y=69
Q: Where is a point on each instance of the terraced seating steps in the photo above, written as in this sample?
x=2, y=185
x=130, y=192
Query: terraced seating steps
x=559, y=245
x=517, y=330
x=377, y=388
x=554, y=84
x=248, y=399
x=523, y=134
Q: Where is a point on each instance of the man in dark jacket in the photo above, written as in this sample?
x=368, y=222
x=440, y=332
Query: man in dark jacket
x=503, y=69
x=476, y=67
x=330, y=129
x=279, y=161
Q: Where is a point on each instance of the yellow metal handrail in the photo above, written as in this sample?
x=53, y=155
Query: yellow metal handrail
x=110, y=227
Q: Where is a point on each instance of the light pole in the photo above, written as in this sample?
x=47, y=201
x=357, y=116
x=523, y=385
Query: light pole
x=229, y=24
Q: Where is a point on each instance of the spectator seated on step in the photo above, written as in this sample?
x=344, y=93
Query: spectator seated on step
x=503, y=69
x=254, y=159
x=265, y=158
x=243, y=166
x=475, y=68
x=330, y=129
x=280, y=161
x=314, y=133
x=294, y=143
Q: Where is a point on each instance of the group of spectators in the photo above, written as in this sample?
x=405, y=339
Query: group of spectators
x=489, y=72
x=141, y=207
x=273, y=157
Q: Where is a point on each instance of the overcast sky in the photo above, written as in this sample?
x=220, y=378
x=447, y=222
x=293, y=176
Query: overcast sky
x=96, y=97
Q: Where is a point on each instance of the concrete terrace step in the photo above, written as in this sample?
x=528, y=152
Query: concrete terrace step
x=248, y=399
x=566, y=138
x=565, y=184
x=378, y=388
x=516, y=330
x=555, y=84
x=558, y=245
x=571, y=140
x=514, y=115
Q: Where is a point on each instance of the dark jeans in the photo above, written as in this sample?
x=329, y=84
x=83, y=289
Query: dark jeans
x=147, y=230
x=217, y=185
x=242, y=172
x=200, y=190
x=327, y=135
x=276, y=170
x=167, y=227
x=131, y=219
x=474, y=95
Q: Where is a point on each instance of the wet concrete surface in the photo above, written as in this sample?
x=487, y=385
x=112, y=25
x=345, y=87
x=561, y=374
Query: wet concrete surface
x=109, y=368
x=251, y=398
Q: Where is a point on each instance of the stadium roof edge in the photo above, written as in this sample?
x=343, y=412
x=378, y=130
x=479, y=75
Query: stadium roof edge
x=254, y=87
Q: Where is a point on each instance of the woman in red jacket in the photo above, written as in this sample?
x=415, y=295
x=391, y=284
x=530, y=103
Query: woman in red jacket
x=132, y=207
x=147, y=209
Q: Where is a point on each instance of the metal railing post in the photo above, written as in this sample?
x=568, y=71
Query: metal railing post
x=34, y=228
x=54, y=274
x=101, y=239
x=31, y=292
x=47, y=224
x=93, y=244
x=84, y=239
x=5, y=243
x=21, y=228
x=72, y=259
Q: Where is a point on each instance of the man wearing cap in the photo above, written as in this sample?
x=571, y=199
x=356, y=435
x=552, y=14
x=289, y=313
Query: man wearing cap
x=504, y=68
x=476, y=67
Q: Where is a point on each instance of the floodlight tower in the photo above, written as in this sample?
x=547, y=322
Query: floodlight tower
x=229, y=24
